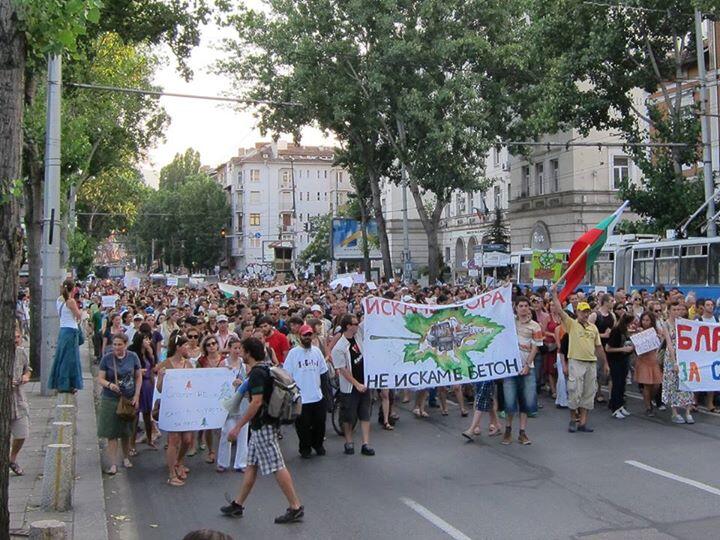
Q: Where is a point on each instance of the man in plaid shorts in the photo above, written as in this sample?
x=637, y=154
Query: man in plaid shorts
x=263, y=449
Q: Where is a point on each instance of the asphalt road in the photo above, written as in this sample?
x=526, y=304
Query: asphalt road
x=425, y=483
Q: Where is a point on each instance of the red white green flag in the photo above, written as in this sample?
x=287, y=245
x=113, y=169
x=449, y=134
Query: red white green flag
x=586, y=249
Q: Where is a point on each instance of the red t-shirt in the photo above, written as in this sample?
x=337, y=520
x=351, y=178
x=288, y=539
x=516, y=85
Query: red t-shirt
x=279, y=344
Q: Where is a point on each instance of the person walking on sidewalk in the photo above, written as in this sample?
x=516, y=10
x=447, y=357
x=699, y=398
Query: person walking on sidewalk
x=263, y=449
x=583, y=351
x=66, y=372
x=19, y=411
x=307, y=365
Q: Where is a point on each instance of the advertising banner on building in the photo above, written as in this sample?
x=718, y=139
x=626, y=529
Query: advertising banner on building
x=347, y=239
x=546, y=266
x=192, y=399
x=421, y=346
x=698, y=355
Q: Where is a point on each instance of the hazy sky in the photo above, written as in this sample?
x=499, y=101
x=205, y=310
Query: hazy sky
x=212, y=128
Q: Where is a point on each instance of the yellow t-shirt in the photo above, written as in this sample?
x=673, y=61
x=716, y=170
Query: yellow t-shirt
x=583, y=340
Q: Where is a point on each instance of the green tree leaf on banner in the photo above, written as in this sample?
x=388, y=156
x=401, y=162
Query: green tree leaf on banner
x=477, y=332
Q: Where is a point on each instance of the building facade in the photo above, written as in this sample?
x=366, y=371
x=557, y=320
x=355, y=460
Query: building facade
x=275, y=189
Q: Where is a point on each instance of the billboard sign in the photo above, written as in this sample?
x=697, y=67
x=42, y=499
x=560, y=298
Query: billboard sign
x=347, y=239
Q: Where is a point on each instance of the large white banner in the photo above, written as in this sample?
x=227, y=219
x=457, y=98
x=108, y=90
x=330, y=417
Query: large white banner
x=698, y=355
x=192, y=399
x=421, y=346
x=230, y=290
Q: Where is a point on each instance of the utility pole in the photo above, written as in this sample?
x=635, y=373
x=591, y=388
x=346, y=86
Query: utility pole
x=333, y=261
x=294, y=216
x=50, y=251
x=706, y=131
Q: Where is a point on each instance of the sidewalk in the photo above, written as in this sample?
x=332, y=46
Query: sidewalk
x=86, y=520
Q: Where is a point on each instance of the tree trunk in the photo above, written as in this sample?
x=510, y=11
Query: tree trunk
x=430, y=225
x=366, y=247
x=12, y=89
x=33, y=226
x=382, y=229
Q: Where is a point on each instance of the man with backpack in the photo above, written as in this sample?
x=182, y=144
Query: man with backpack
x=263, y=449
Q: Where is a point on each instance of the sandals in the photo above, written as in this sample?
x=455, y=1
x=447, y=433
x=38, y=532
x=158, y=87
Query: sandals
x=133, y=452
x=494, y=430
x=220, y=469
x=211, y=458
x=111, y=471
x=388, y=427
x=464, y=413
x=127, y=463
x=444, y=413
x=175, y=481
x=394, y=416
x=14, y=467
x=181, y=472
x=416, y=412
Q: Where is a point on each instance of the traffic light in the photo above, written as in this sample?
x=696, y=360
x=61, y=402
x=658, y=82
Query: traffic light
x=223, y=232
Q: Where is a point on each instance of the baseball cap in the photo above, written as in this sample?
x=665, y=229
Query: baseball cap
x=212, y=314
x=138, y=317
x=408, y=298
x=306, y=329
x=222, y=318
x=284, y=305
x=583, y=306
x=316, y=307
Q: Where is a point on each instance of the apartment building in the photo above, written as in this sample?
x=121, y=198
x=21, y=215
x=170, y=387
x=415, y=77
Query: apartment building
x=275, y=189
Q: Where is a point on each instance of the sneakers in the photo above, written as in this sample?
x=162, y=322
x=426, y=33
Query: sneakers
x=291, y=516
x=305, y=454
x=367, y=450
x=320, y=451
x=662, y=407
x=572, y=426
x=689, y=419
x=649, y=413
x=349, y=449
x=677, y=419
x=232, y=510
x=507, y=437
x=624, y=411
x=523, y=439
x=585, y=428
x=618, y=414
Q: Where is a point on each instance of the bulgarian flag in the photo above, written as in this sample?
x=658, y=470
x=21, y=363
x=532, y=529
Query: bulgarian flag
x=586, y=249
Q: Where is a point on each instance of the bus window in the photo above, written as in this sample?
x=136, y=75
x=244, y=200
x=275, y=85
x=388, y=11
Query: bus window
x=666, y=265
x=694, y=265
x=714, y=264
x=642, y=269
x=603, y=270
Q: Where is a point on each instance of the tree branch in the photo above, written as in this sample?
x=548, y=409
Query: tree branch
x=656, y=70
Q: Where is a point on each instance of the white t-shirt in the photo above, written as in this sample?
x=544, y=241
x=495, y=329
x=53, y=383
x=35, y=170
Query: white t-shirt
x=306, y=366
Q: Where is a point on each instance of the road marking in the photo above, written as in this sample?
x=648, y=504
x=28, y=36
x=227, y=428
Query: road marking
x=439, y=522
x=677, y=478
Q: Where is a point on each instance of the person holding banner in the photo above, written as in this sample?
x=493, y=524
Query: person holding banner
x=235, y=363
x=672, y=396
x=647, y=368
x=178, y=441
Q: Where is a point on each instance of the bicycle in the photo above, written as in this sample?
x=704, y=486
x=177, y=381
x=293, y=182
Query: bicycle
x=337, y=405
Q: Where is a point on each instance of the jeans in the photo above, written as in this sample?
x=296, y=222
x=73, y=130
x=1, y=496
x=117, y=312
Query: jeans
x=618, y=375
x=310, y=426
x=520, y=394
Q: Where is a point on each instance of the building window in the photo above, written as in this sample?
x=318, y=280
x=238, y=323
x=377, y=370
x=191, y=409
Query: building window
x=539, y=178
x=239, y=222
x=525, y=181
x=496, y=197
x=300, y=192
x=286, y=219
x=508, y=193
x=299, y=173
x=470, y=202
x=460, y=206
x=286, y=179
x=554, y=177
x=254, y=175
x=620, y=171
x=254, y=197
x=318, y=195
x=307, y=195
x=496, y=157
x=325, y=174
x=255, y=243
x=254, y=220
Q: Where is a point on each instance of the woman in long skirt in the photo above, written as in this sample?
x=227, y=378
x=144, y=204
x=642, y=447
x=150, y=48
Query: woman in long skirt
x=66, y=373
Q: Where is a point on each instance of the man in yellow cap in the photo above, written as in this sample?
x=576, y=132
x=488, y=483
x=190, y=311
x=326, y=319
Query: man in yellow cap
x=583, y=351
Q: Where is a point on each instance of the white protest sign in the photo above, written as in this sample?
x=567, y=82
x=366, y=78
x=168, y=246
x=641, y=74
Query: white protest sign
x=172, y=281
x=420, y=346
x=600, y=289
x=371, y=286
x=192, y=399
x=645, y=341
x=697, y=349
x=108, y=301
x=358, y=278
x=489, y=281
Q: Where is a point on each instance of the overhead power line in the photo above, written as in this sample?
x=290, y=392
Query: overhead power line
x=176, y=94
x=597, y=145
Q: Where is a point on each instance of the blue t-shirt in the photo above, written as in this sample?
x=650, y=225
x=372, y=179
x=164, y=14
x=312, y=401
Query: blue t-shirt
x=126, y=368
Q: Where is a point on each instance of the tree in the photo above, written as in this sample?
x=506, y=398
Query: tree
x=318, y=250
x=597, y=57
x=27, y=28
x=498, y=232
x=180, y=170
x=82, y=252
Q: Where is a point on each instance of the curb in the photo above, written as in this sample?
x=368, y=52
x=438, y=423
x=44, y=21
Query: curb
x=90, y=522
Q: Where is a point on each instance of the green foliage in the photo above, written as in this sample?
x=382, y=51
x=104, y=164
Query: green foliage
x=184, y=217
x=318, y=250
x=82, y=252
x=498, y=232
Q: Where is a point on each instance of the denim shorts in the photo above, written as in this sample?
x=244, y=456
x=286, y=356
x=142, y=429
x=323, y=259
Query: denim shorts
x=520, y=393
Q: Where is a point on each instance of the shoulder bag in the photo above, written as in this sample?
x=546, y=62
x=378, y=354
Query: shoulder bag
x=125, y=409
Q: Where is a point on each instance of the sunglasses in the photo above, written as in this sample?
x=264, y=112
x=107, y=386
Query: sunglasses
x=193, y=336
x=211, y=343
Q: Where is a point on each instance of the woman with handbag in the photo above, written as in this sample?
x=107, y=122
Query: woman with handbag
x=66, y=373
x=120, y=377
